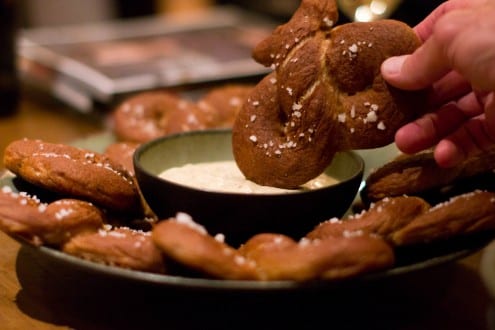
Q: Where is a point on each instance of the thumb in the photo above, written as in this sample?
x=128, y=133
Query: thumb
x=417, y=70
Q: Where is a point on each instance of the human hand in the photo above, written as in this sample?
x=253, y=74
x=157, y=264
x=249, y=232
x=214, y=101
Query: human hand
x=457, y=61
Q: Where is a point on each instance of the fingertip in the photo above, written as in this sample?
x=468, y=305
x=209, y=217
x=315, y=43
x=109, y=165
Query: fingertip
x=447, y=154
x=392, y=67
x=408, y=139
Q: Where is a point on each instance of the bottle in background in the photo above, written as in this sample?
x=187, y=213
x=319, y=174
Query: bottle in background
x=9, y=84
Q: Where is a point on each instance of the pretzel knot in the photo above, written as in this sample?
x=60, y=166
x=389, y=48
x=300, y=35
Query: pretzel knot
x=325, y=95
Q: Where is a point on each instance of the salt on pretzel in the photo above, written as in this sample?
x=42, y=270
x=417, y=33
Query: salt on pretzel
x=188, y=243
x=325, y=95
x=26, y=217
x=418, y=173
x=279, y=257
x=123, y=247
x=268, y=256
x=461, y=215
x=382, y=218
x=74, y=172
x=411, y=220
x=149, y=115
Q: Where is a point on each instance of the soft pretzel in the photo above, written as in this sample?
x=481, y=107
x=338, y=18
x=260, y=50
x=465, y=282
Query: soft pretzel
x=461, y=215
x=279, y=257
x=270, y=257
x=188, y=243
x=122, y=153
x=149, y=115
x=122, y=247
x=74, y=172
x=383, y=218
x=223, y=104
x=411, y=220
x=419, y=173
x=38, y=223
x=325, y=95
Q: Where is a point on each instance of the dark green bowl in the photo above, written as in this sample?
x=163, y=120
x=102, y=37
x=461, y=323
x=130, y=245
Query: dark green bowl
x=239, y=215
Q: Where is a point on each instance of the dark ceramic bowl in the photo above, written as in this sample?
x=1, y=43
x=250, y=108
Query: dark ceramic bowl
x=239, y=215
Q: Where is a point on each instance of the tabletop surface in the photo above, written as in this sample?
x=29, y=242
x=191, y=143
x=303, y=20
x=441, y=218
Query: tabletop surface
x=36, y=294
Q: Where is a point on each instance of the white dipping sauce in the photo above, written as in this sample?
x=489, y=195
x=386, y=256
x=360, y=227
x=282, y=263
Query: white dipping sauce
x=225, y=176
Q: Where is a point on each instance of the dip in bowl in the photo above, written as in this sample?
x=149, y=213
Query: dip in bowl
x=195, y=173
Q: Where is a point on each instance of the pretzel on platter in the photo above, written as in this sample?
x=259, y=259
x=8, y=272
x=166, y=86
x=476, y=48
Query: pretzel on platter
x=419, y=173
x=461, y=215
x=122, y=247
x=149, y=115
x=188, y=243
x=74, y=172
x=382, y=218
x=269, y=257
x=122, y=152
x=25, y=216
x=279, y=257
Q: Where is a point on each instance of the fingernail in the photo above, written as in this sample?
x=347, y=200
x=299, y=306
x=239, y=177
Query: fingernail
x=393, y=65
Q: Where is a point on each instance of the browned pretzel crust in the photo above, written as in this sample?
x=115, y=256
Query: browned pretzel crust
x=383, y=218
x=122, y=153
x=122, y=247
x=415, y=174
x=39, y=223
x=279, y=257
x=410, y=220
x=149, y=115
x=188, y=243
x=325, y=95
x=74, y=172
x=223, y=104
x=270, y=257
x=461, y=215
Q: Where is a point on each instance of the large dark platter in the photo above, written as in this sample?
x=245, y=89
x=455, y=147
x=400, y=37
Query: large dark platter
x=409, y=260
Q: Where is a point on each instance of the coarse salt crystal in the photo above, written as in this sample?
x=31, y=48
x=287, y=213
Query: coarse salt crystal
x=186, y=219
x=371, y=117
x=220, y=237
x=62, y=213
x=328, y=22
x=296, y=106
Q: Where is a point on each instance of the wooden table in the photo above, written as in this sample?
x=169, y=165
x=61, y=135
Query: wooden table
x=35, y=294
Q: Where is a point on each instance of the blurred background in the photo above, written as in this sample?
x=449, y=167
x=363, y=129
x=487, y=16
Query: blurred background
x=34, y=13
x=92, y=53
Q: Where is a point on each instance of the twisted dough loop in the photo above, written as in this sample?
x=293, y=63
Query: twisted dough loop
x=325, y=95
x=149, y=115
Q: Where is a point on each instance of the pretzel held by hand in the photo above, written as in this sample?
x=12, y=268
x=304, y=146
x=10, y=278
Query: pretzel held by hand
x=325, y=95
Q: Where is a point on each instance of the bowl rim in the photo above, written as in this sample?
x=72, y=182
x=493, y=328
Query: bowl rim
x=144, y=147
